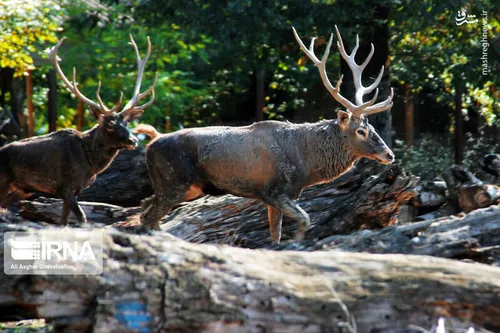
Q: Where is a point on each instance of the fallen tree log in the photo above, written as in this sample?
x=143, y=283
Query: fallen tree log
x=125, y=183
x=364, y=198
x=468, y=192
x=162, y=284
x=474, y=236
x=50, y=209
x=459, y=191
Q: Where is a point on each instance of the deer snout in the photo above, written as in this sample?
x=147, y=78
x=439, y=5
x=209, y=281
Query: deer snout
x=385, y=157
x=132, y=142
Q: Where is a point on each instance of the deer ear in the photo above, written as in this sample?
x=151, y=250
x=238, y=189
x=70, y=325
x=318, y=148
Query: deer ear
x=96, y=113
x=343, y=118
x=132, y=115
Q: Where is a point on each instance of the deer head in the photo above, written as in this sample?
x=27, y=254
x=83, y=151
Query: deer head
x=362, y=137
x=113, y=121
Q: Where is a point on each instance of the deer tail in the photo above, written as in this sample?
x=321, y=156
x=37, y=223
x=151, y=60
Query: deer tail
x=148, y=130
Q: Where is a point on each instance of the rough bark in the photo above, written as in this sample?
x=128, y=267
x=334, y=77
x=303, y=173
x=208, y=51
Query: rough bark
x=50, y=209
x=467, y=191
x=350, y=203
x=474, y=236
x=126, y=182
x=175, y=286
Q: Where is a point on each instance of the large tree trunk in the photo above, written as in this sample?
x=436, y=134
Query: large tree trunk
x=161, y=284
x=474, y=236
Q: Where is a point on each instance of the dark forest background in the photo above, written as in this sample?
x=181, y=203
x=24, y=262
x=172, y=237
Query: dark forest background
x=236, y=62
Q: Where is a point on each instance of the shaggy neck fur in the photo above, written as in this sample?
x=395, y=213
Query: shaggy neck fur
x=325, y=150
x=99, y=155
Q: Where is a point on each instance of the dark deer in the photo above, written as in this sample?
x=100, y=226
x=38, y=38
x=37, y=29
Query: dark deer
x=269, y=160
x=65, y=162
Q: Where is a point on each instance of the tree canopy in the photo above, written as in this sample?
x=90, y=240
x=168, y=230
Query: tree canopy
x=208, y=54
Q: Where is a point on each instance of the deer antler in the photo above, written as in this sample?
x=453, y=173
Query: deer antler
x=359, y=108
x=99, y=105
x=141, y=63
x=72, y=86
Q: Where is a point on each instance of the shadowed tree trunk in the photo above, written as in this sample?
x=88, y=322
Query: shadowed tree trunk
x=80, y=115
x=409, y=121
x=125, y=182
x=29, y=99
x=52, y=100
x=6, y=76
x=15, y=87
x=459, y=120
x=260, y=93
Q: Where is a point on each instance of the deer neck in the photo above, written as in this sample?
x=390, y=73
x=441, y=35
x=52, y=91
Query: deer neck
x=99, y=155
x=326, y=151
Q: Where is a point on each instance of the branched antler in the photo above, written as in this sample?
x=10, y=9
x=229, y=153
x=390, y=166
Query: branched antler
x=99, y=106
x=141, y=63
x=359, y=108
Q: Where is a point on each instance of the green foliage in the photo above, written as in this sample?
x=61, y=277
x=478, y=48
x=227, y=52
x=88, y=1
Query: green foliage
x=431, y=50
x=100, y=52
x=248, y=36
x=207, y=55
x=432, y=153
x=24, y=26
x=427, y=157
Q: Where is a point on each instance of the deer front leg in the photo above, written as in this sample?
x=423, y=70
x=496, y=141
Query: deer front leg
x=275, y=217
x=71, y=204
x=290, y=209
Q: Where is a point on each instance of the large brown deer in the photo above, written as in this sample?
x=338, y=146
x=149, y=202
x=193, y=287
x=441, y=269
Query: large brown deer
x=65, y=162
x=271, y=161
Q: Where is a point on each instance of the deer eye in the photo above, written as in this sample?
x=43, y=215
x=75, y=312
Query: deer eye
x=361, y=132
x=110, y=126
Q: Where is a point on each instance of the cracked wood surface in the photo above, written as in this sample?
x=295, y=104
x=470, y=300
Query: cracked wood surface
x=184, y=287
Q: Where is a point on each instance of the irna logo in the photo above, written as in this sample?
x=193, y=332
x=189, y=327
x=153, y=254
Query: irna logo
x=22, y=249
x=59, y=251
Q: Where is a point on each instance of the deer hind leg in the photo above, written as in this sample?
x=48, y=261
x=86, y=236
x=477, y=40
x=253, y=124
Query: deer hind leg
x=146, y=202
x=4, y=188
x=292, y=210
x=275, y=217
x=14, y=197
x=160, y=205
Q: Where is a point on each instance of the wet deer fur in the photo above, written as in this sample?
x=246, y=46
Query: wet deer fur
x=65, y=162
x=269, y=160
